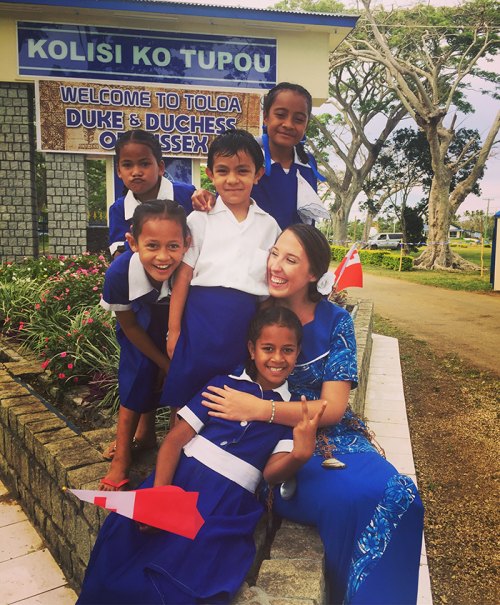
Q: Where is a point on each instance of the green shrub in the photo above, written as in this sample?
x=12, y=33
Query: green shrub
x=392, y=261
x=373, y=257
x=378, y=258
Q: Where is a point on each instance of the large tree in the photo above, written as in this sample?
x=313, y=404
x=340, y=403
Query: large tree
x=442, y=48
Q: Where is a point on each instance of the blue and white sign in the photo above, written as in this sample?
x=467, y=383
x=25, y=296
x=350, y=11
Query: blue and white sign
x=106, y=53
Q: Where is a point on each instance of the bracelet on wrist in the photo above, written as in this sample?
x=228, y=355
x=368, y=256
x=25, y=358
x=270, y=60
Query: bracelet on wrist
x=273, y=411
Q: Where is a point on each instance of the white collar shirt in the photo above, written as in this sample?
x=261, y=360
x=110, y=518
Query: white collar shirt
x=228, y=253
x=166, y=192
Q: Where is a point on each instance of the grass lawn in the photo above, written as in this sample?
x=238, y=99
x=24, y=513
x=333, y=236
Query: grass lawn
x=452, y=280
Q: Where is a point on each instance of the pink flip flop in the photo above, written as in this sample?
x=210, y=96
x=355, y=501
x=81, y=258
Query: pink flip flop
x=116, y=486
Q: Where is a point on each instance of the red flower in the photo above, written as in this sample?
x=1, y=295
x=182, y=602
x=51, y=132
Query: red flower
x=70, y=366
x=45, y=363
x=63, y=354
x=61, y=375
x=37, y=306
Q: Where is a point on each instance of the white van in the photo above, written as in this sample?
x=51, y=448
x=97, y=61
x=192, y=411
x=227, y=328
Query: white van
x=385, y=240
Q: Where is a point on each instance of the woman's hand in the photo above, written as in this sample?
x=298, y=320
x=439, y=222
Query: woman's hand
x=304, y=433
x=231, y=404
x=203, y=200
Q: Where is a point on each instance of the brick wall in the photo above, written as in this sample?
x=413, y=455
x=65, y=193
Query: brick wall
x=66, y=203
x=18, y=228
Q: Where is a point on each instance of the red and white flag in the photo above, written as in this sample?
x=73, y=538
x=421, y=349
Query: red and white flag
x=167, y=507
x=349, y=273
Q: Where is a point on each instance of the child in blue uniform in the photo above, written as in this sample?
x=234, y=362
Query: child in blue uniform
x=223, y=461
x=287, y=191
x=223, y=274
x=141, y=167
x=136, y=288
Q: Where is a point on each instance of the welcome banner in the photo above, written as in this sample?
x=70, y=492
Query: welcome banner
x=88, y=117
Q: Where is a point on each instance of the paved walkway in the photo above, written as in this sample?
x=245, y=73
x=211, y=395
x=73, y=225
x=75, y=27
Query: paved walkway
x=28, y=573
x=451, y=321
x=385, y=411
x=30, y=576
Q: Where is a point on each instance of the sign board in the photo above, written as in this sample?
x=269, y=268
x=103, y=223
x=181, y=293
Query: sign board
x=62, y=51
x=87, y=117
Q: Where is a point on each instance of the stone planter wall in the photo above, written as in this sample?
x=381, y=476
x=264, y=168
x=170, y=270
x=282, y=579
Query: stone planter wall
x=41, y=452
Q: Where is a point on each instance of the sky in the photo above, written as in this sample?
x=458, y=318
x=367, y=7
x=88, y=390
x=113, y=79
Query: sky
x=482, y=119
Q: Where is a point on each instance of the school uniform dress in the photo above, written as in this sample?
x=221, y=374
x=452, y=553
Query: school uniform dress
x=369, y=516
x=280, y=192
x=224, y=463
x=122, y=210
x=127, y=288
x=229, y=260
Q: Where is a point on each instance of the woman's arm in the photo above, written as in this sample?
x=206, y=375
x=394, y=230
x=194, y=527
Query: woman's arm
x=180, y=289
x=141, y=339
x=170, y=451
x=231, y=404
x=281, y=467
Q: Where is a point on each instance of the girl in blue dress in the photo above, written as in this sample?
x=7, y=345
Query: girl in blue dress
x=136, y=288
x=222, y=276
x=223, y=461
x=287, y=190
x=369, y=516
x=141, y=167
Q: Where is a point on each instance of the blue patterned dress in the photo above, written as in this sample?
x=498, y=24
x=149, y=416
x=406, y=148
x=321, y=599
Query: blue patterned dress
x=369, y=516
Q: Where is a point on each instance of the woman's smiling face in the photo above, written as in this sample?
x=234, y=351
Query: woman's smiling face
x=288, y=267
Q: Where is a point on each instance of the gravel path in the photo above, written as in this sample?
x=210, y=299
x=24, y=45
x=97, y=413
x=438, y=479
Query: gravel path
x=464, y=323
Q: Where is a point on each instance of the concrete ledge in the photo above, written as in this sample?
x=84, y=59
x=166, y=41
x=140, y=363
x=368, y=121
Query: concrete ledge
x=41, y=452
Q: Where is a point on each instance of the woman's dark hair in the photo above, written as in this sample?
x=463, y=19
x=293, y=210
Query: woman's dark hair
x=318, y=253
x=271, y=316
x=233, y=141
x=270, y=98
x=143, y=138
x=159, y=209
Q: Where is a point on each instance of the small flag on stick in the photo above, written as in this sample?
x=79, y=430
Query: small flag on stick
x=167, y=507
x=349, y=273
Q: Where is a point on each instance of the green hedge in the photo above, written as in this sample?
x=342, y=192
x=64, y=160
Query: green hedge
x=379, y=258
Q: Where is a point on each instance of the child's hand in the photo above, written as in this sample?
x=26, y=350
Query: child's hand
x=304, y=433
x=203, y=200
x=172, y=338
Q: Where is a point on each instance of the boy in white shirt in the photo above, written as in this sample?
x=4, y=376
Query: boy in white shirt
x=223, y=275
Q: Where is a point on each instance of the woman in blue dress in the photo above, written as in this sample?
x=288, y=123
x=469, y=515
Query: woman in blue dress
x=369, y=516
x=223, y=461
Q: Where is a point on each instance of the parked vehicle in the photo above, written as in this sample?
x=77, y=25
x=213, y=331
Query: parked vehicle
x=385, y=240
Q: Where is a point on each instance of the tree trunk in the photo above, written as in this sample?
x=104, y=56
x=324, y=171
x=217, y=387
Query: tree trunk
x=367, y=227
x=438, y=254
x=339, y=223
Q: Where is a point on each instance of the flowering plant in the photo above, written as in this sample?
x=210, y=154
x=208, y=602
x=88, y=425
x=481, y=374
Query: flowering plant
x=50, y=306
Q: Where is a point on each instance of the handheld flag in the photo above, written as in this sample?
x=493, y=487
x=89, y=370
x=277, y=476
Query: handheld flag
x=167, y=507
x=349, y=273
